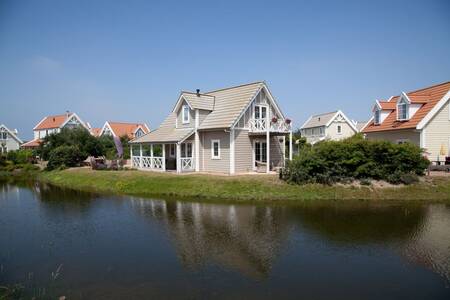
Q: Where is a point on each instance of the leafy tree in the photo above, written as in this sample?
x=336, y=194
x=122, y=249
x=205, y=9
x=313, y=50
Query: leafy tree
x=65, y=156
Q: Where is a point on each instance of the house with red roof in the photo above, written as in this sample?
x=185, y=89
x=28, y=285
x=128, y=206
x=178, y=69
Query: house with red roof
x=54, y=124
x=421, y=117
x=119, y=129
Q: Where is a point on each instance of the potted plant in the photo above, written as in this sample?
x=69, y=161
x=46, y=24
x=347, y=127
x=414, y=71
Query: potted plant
x=288, y=121
x=274, y=119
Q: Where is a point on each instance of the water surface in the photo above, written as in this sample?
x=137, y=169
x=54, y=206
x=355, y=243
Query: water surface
x=57, y=242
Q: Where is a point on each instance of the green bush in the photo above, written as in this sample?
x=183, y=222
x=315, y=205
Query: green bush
x=20, y=156
x=356, y=158
x=65, y=156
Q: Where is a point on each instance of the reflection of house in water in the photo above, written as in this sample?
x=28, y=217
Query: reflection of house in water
x=243, y=238
x=431, y=245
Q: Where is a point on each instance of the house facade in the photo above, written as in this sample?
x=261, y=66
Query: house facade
x=119, y=129
x=232, y=130
x=54, y=124
x=9, y=141
x=421, y=117
x=328, y=126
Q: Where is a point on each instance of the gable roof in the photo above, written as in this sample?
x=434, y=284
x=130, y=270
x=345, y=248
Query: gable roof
x=32, y=144
x=229, y=104
x=428, y=97
x=57, y=121
x=166, y=132
x=13, y=134
x=121, y=128
x=202, y=101
x=319, y=120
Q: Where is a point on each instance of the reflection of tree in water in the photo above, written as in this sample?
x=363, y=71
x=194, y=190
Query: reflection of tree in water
x=58, y=199
x=244, y=238
x=361, y=224
x=430, y=247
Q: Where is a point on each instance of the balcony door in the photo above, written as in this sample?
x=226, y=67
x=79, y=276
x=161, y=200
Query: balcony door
x=260, y=115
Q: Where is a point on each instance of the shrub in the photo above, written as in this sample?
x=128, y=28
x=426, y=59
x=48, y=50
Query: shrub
x=65, y=156
x=20, y=156
x=355, y=158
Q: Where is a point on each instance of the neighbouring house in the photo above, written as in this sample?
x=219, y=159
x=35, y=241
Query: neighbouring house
x=9, y=140
x=95, y=131
x=54, y=124
x=328, y=126
x=119, y=129
x=421, y=117
x=232, y=130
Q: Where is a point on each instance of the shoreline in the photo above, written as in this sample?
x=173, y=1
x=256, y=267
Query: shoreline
x=243, y=188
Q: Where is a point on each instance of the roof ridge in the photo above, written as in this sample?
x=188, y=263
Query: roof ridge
x=233, y=87
x=194, y=93
x=331, y=112
x=429, y=87
x=133, y=123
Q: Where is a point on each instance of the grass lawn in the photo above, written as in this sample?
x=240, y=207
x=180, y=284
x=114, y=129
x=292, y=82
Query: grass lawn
x=236, y=188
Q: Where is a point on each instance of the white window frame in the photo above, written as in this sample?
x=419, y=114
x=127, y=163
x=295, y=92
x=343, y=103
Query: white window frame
x=339, y=129
x=212, y=149
x=185, y=120
x=406, y=110
x=376, y=120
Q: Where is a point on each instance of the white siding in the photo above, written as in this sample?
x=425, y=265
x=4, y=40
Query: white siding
x=331, y=131
x=437, y=133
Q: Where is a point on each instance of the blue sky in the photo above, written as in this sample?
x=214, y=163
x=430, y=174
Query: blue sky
x=127, y=61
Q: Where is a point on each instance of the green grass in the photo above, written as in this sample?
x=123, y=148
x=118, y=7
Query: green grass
x=236, y=188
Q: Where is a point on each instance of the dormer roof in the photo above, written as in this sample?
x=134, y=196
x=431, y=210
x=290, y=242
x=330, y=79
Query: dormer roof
x=428, y=98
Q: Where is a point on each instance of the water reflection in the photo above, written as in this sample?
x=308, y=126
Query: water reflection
x=239, y=237
x=125, y=247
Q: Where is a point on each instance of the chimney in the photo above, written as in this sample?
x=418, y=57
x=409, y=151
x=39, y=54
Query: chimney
x=67, y=113
x=198, y=92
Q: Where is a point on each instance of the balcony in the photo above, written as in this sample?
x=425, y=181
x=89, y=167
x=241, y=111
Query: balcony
x=264, y=125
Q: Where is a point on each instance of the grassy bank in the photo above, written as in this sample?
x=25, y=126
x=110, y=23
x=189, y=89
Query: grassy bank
x=237, y=188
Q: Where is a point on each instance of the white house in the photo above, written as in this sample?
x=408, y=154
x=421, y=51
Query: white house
x=119, y=129
x=328, y=126
x=421, y=117
x=238, y=129
x=8, y=139
x=54, y=124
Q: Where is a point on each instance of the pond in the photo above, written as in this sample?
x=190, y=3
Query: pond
x=56, y=242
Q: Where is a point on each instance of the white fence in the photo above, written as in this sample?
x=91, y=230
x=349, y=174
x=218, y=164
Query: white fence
x=260, y=125
x=148, y=162
x=187, y=163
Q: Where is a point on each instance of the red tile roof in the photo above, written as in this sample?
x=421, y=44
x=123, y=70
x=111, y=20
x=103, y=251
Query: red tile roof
x=31, y=144
x=387, y=105
x=96, y=131
x=128, y=129
x=51, y=122
x=429, y=96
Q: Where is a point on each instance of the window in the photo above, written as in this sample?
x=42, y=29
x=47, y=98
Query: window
x=339, y=129
x=402, y=111
x=321, y=130
x=3, y=135
x=377, y=116
x=260, y=151
x=186, y=150
x=185, y=114
x=139, y=133
x=215, y=149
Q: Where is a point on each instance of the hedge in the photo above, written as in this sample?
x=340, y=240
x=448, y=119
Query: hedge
x=356, y=158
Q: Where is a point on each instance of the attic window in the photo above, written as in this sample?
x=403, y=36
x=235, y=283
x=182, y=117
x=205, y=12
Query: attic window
x=377, y=115
x=185, y=114
x=402, y=111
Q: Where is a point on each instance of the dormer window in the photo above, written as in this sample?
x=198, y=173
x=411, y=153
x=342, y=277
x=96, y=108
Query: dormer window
x=185, y=114
x=402, y=110
x=377, y=116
